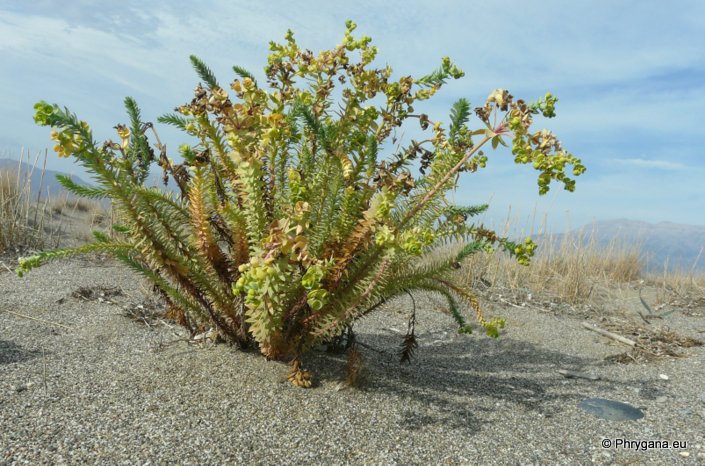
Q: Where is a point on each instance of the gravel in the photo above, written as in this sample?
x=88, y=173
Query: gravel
x=101, y=388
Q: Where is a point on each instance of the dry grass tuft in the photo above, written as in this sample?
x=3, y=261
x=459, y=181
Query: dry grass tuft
x=83, y=205
x=74, y=206
x=57, y=207
x=568, y=272
x=23, y=215
x=32, y=221
x=576, y=273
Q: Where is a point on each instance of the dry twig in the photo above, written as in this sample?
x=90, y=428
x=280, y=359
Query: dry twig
x=611, y=335
x=48, y=322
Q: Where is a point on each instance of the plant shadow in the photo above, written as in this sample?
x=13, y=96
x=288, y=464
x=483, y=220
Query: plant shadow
x=11, y=352
x=458, y=381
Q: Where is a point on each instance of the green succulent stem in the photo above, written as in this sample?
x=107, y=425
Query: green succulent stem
x=439, y=186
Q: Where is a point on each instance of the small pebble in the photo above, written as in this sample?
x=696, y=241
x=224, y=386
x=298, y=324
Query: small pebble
x=21, y=387
x=663, y=376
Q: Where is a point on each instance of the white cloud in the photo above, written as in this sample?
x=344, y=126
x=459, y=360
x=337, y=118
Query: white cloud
x=88, y=52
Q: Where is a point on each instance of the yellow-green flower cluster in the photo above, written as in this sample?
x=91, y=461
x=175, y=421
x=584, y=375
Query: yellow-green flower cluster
x=452, y=70
x=44, y=113
x=316, y=297
x=544, y=152
x=384, y=236
x=261, y=282
x=297, y=188
x=525, y=251
x=312, y=277
x=493, y=326
x=351, y=43
x=243, y=89
x=415, y=240
x=546, y=105
x=68, y=141
x=381, y=204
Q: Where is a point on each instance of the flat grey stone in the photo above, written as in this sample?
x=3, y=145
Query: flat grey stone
x=610, y=410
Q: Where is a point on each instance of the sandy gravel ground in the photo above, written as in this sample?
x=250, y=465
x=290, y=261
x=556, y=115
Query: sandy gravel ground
x=100, y=388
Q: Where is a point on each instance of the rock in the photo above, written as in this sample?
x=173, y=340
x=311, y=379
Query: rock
x=21, y=387
x=610, y=410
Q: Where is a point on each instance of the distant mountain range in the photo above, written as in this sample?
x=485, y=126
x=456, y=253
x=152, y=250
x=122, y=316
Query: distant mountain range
x=672, y=245
x=49, y=185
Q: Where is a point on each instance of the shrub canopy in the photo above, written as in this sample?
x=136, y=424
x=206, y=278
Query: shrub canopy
x=288, y=225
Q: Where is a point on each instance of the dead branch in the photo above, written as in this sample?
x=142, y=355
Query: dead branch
x=611, y=335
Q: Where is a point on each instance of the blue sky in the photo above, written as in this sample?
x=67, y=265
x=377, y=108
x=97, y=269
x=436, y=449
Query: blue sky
x=630, y=76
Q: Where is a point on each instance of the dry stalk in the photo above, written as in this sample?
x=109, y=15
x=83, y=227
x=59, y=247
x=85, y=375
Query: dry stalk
x=48, y=322
x=608, y=334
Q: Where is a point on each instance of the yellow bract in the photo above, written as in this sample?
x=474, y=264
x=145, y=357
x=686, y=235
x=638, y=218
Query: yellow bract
x=124, y=133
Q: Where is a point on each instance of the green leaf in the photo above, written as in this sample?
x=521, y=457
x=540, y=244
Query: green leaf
x=140, y=153
x=469, y=249
x=459, y=115
x=174, y=120
x=204, y=72
x=28, y=263
x=80, y=190
x=133, y=111
x=100, y=236
x=439, y=76
x=121, y=228
x=243, y=73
